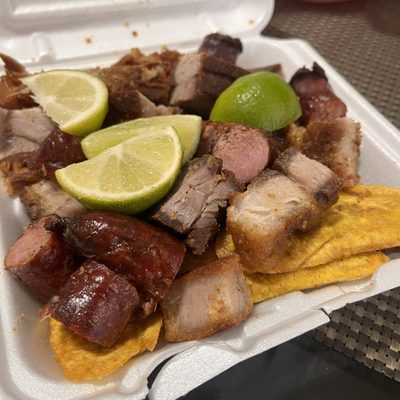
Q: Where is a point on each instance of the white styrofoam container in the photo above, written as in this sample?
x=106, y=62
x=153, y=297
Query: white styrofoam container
x=51, y=34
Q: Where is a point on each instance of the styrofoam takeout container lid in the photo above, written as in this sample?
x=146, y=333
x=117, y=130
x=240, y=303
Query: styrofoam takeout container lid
x=52, y=34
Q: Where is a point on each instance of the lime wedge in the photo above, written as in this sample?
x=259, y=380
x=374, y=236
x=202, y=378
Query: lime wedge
x=75, y=100
x=261, y=99
x=128, y=177
x=188, y=128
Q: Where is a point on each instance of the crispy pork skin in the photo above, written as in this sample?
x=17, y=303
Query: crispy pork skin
x=261, y=218
x=201, y=192
x=206, y=300
x=147, y=256
x=13, y=93
x=46, y=197
x=315, y=177
x=40, y=260
x=244, y=150
x=318, y=102
x=19, y=170
x=95, y=303
x=221, y=46
x=335, y=144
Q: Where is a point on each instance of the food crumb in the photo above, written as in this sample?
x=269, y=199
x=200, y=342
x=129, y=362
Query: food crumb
x=14, y=329
x=21, y=317
x=126, y=23
x=251, y=21
x=134, y=34
x=88, y=39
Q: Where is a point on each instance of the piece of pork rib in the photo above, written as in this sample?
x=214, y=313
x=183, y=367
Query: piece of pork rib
x=46, y=197
x=335, y=144
x=318, y=102
x=147, y=256
x=95, y=303
x=13, y=93
x=221, y=46
x=206, y=300
x=201, y=192
x=245, y=151
x=40, y=260
x=199, y=79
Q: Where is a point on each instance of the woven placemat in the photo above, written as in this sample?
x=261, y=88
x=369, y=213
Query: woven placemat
x=361, y=39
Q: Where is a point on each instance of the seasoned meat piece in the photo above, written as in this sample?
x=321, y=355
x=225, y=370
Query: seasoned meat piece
x=196, y=183
x=58, y=151
x=207, y=225
x=45, y=197
x=40, y=260
x=23, y=130
x=244, y=150
x=318, y=102
x=95, y=303
x=221, y=46
x=194, y=205
x=150, y=74
x=19, y=170
x=261, y=218
x=131, y=104
x=147, y=256
x=199, y=79
x=315, y=177
x=13, y=93
x=206, y=300
x=335, y=144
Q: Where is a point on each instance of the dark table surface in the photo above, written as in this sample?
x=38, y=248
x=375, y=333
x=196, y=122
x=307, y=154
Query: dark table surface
x=361, y=39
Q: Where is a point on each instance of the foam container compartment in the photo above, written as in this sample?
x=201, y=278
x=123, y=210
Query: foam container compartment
x=53, y=34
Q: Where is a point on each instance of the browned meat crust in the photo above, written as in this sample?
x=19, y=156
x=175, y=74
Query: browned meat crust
x=275, y=68
x=206, y=300
x=58, y=151
x=194, y=205
x=95, y=303
x=318, y=102
x=19, y=170
x=221, y=46
x=45, y=197
x=13, y=93
x=147, y=256
x=335, y=144
x=245, y=151
x=40, y=260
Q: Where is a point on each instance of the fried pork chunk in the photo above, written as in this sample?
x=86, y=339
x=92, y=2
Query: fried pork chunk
x=197, y=198
x=23, y=130
x=46, y=197
x=275, y=205
x=335, y=144
x=318, y=102
x=199, y=79
x=206, y=300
